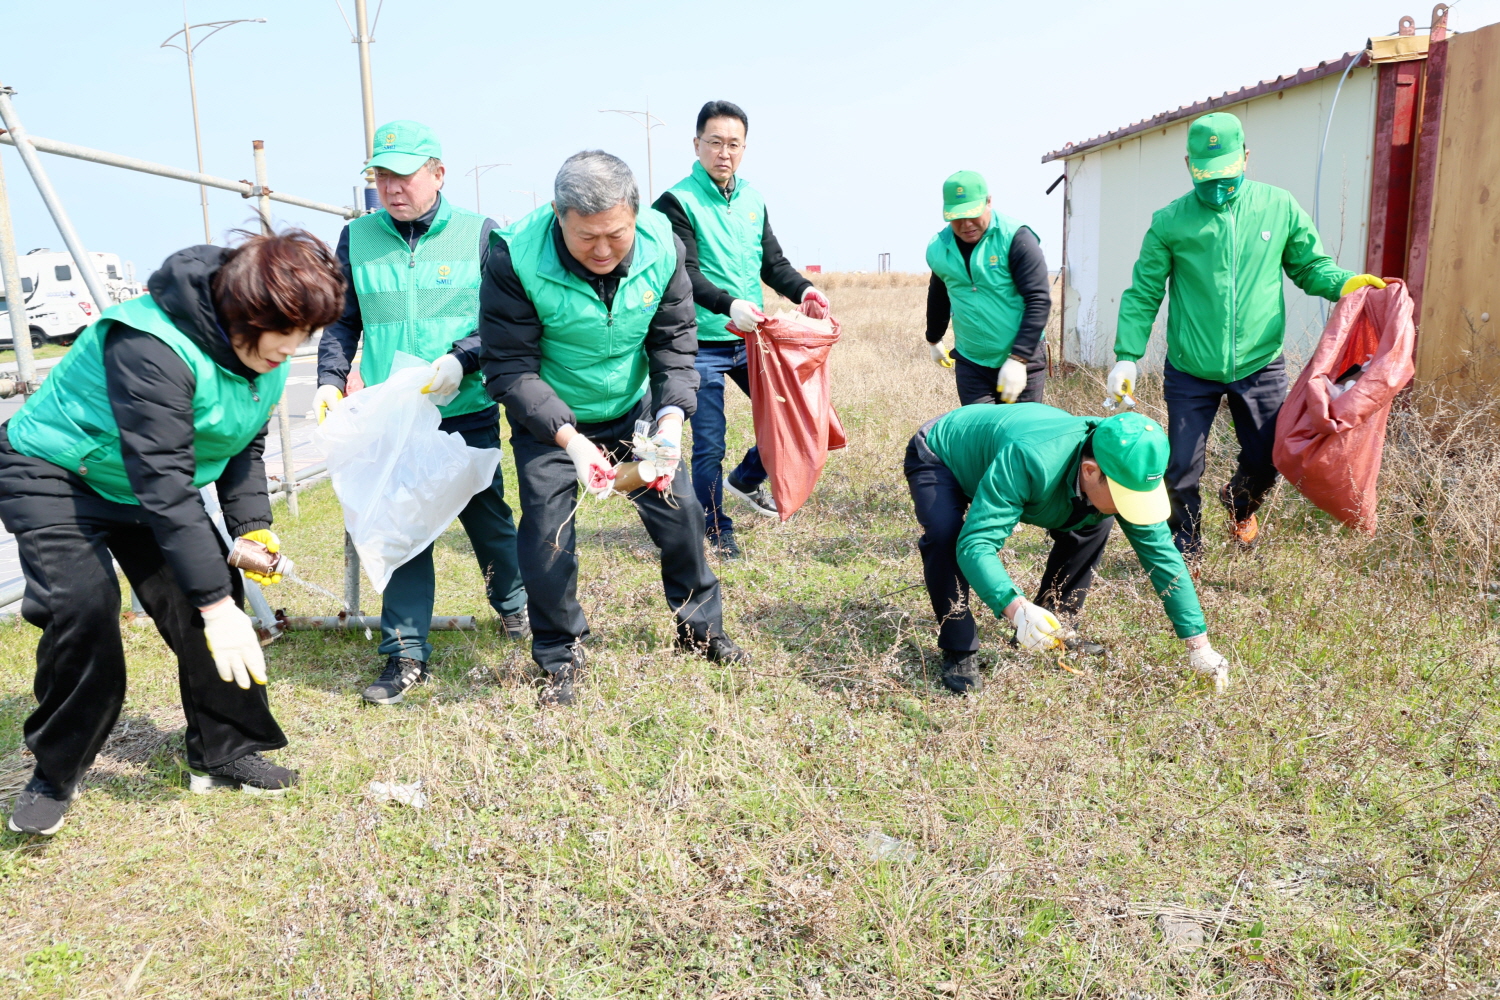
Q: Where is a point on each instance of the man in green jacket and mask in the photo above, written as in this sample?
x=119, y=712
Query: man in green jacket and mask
x=978, y=471
x=586, y=320
x=1224, y=246
x=726, y=232
x=414, y=272
x=990, y=277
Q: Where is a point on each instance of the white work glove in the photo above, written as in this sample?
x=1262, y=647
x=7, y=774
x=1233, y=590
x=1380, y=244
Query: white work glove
x=236, y=647
x=1037, y=629
x=447, y=373
x=325, y=397
x=1012, y=380
x=815, y=304
x=668, y=442
x=1121, y=381
x=594, y=470
x=940, y=355
x=745, y=316
x=1206, y=661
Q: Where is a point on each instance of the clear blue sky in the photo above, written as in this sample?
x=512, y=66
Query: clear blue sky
x=857, y=110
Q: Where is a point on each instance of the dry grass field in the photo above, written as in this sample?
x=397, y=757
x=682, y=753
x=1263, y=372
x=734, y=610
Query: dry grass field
x=829, y=822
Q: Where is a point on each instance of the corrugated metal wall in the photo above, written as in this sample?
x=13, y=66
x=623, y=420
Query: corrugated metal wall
x=1114, y=190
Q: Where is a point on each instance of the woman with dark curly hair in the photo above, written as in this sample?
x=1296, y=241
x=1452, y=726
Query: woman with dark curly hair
x=160, y=397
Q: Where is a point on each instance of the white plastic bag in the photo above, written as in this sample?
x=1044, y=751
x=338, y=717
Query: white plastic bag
x=401, y=480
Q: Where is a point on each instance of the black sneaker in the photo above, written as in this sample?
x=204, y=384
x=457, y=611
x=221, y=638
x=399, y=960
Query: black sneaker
x=251, y=774
x=557, y=687
x=723, y=545
x=516, y=626
x=961, y=672
x=759, y=498
x=401, y=674
x=40, y=808
x=713, y=648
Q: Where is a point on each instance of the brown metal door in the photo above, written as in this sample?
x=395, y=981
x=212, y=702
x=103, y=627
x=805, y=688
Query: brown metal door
x=1459, y=322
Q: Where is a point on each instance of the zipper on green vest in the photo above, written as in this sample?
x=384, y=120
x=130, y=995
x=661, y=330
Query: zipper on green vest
x=1234, y=305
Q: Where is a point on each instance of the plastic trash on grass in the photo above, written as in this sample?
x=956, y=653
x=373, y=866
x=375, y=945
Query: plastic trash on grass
x=400, y=479
x=406, y=795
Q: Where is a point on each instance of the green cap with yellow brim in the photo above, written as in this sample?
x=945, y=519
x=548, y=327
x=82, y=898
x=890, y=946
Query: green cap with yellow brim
x=964, y=196
x=1216, y=147
x=1132, y=453
x=404, y=147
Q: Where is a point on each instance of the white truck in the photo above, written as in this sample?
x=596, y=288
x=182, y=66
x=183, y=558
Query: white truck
x=58, y=303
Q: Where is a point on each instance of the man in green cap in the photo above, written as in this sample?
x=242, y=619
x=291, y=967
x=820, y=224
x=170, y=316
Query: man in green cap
x=414, y=269
x=989, y=275
x=726, y=233
x=1039, y=465
x=1224, y=246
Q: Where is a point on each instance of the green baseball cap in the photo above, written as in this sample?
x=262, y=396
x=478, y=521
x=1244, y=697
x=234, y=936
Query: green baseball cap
x=403, y=147
x=964, y=195
x=1132, y=453
x=1216, y=147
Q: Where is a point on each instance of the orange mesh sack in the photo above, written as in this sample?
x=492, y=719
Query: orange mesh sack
x=795, y=426
x=1331, y=432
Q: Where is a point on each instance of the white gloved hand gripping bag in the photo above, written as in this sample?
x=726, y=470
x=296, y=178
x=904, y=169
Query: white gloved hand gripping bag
x=400, y=479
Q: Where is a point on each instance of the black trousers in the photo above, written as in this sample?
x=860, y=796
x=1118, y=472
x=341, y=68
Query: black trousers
x=941, y=504
x=546, y=542
x=978, y=384
x=73, y=596
x=1192, y=403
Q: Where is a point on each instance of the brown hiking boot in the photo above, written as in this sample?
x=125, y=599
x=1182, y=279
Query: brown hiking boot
x=1243, y=533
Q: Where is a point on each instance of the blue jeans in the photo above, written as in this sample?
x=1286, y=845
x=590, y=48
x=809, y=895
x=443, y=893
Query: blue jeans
x=715, y=360
x=407, y=612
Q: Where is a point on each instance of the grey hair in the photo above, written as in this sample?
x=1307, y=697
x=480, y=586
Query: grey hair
x=593, y=181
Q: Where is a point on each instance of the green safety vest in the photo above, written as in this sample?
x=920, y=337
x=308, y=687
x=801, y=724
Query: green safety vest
x=419, y=301
x=729, y=232
x=594, y=358
x=987, y=309
x=69, y=421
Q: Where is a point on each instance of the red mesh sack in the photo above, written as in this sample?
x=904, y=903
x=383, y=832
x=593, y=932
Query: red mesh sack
x=1329, y=444
x=795, y=426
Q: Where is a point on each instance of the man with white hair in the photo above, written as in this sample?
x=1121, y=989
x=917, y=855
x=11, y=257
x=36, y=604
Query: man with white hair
x=586, y=324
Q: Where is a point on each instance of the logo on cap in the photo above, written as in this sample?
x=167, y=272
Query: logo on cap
x=1213, y=142
x=959, y=189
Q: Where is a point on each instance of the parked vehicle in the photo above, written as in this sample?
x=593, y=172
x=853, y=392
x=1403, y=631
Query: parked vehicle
x=58, y=303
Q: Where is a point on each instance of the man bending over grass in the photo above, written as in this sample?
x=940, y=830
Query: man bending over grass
x=1040, y=465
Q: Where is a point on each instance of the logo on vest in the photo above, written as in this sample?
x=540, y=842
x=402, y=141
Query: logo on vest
x=444, y=275
x=753, y=217
x=994, y=260
x=647, y=297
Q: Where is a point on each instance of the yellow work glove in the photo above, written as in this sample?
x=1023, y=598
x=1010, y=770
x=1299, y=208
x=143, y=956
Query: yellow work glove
x=325, y=397
x=266, y=537
x=940, y=354
x=1360, y=281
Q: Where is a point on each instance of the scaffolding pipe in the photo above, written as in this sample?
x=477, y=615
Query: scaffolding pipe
x=283, y=412
x=242, y=188
x=351, y=576
x=20, y=326
x=367, y=97
x=350, y=623
x=17, y=137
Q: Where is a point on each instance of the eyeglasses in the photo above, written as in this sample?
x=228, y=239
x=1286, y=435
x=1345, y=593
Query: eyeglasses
x=719, y=145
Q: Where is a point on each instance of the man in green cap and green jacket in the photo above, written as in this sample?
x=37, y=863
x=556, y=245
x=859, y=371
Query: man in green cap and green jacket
x=414, y=270
x=1039, y=465
x=1224, y=246
x=989, y=275
x=726, y=233
x=586, y=319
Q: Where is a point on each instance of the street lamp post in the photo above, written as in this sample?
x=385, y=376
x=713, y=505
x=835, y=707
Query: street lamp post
x=524, y=191
x=188, y=46
x=479, y=172
x=649, y=121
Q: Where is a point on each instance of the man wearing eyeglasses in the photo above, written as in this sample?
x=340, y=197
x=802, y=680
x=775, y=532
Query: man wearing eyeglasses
x=724, y=228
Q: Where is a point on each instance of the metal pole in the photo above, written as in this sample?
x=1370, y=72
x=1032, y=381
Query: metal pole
x=54, y=205
x=242, y=188
x=187, y=43
x=351, y=576
x=650, y=169
x=10, y=270
x=283, y=414
x=367, y=96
